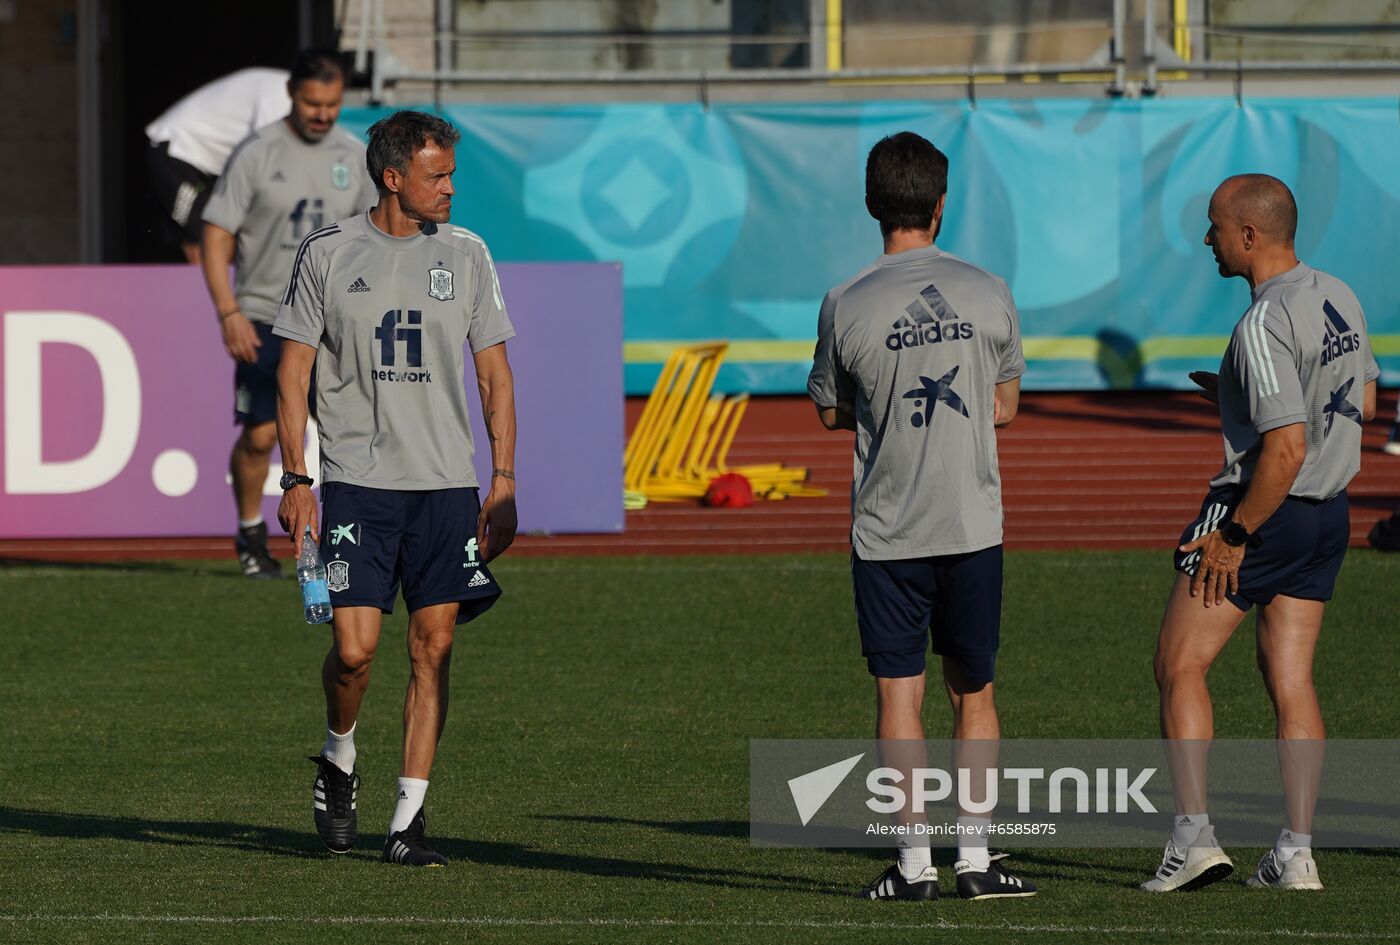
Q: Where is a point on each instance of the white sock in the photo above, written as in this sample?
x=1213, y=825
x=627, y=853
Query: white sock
x=251, y=523
x=973, y=846
x=1290, y=844
x=1186, y=828
x=411, y=793
x=913, y=860
x=340, y=749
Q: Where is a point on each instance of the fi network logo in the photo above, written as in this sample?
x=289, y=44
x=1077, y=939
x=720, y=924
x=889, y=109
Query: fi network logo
x=400, y=326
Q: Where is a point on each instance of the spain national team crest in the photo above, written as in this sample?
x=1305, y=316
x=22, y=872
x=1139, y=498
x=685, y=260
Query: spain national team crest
x=338, y=575
x=440, y=284
x=340, y=176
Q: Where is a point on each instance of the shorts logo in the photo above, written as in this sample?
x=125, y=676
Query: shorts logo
x=470, y=549
x=350, y=533
x=478, y=579
x=340, y=177
x=933, y=393
x=440, y=284
x=338, y=575
x=242, y=399
x=917, y=327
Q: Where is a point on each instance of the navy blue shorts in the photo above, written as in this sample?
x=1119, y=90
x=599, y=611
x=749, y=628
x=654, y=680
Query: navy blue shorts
x=1297, y=552
x=374, y=539
x=953, y=599
x=255, y=384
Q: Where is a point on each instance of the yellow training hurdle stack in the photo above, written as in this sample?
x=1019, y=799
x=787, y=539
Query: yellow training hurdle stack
x=682, y=439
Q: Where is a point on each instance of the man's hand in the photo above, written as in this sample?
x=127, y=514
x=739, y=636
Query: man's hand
x=1209, y=384
x=240, y=337
x=298, y=510
x=495, y=527
x=1219, y=570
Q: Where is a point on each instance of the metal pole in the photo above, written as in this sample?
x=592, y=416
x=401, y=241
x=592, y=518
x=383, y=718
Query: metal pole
x=1120, y=69
x=362, y=40
x=376, y=85
x=445, y=36
x=1149, y=47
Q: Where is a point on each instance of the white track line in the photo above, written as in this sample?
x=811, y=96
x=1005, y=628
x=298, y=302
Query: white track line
x=509, y=922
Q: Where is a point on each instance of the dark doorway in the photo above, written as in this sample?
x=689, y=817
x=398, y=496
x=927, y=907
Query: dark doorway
x=156, y=51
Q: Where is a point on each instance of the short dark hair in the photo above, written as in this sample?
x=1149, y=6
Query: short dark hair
x=318, y=65
x=905, y=176
x=394, y=140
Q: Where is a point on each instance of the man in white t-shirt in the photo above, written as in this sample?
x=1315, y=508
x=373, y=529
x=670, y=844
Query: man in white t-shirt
x=192, y=139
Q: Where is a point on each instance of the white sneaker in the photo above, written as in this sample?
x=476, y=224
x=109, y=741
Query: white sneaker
x=1297, y=872
x=1199, y=865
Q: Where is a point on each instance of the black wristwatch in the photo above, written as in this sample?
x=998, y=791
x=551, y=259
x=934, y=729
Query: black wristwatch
x=1234, y=534
x=291, y=480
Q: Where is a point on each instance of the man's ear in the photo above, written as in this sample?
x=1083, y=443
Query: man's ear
x=938, y=209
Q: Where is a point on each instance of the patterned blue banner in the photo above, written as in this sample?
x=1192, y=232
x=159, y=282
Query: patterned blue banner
x=732, y=222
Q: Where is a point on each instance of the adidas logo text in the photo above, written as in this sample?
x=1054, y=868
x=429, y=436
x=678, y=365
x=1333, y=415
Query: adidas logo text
x=1337, y=338
x=359, y=285
x=932, y=333
x=478, y=579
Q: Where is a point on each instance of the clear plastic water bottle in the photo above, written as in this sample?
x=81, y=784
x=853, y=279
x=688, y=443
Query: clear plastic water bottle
x=311, y=573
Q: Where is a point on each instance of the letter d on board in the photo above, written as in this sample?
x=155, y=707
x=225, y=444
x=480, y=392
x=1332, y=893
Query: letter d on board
x=25, y=470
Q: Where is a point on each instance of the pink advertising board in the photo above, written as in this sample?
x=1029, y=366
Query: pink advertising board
x=116, y=402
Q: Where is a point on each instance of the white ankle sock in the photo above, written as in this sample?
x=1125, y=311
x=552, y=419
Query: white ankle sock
x=1290, y=843
x=913, y=860
x=1186, y=828
x=251, y=523
x=411, y=793
x=340, y=749
x=973, y=846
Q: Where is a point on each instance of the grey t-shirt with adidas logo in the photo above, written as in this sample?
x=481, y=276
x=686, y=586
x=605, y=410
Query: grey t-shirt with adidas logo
x=274, y=191
x=389, y=318
x=917, y=343
x=1300, y=354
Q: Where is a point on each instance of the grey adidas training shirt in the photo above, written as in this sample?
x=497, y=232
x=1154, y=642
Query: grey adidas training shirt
x=917, y=343
x=1300, y=354
x=276, y=190
x=389, y=318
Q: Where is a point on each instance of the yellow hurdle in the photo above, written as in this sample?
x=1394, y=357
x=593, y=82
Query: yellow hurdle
x=682, y=438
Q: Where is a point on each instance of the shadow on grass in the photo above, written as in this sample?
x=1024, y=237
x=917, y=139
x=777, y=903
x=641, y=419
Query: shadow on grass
x=247, y=838
x=200, y=568
x=276, y=841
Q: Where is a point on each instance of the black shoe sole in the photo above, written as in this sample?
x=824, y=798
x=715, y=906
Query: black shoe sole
x=1213, y=875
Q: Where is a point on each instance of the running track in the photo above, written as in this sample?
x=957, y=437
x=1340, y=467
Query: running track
x=1100, y=470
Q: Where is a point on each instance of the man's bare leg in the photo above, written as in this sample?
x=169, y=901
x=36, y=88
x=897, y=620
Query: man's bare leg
x=248, y=466
x=1287, y=639
x=1191, y=637
x=345, y=676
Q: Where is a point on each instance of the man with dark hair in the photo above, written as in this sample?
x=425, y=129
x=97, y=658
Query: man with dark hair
x=284, y=181
x=920, y=355
x=384, y=303
x=1295, y=384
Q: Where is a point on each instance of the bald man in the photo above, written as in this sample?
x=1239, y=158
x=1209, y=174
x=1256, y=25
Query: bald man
x=1295, y=384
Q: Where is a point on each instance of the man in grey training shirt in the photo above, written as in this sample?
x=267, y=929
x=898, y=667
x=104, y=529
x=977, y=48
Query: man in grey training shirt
x=284, y=181
x=920, y=355
x=1296, y=383
x=384, y=304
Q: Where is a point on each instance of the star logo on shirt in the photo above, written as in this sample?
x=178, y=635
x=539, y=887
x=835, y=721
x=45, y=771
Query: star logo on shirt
x=1338, y=404
x=933, y=393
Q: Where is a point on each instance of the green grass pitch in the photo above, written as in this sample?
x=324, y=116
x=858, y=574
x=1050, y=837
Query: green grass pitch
x=592, y=781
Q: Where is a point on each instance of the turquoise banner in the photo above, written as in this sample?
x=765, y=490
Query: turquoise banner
x=732, y=222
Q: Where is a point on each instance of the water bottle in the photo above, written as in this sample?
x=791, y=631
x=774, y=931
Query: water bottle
x=311, y=573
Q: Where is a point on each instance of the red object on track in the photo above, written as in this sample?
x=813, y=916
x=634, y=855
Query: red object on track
x=730, y=491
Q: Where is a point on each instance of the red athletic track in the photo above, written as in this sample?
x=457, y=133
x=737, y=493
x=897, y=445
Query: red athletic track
x=1102, y=470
